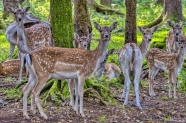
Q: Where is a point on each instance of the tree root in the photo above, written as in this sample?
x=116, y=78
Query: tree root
x=90, y=92
x=102, y=9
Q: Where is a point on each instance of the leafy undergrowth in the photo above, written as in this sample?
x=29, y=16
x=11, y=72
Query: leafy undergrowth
x=156, y=109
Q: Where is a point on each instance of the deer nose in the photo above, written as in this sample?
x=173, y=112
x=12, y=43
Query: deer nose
x=149, y=39
x=177, y=34
x=85, y=45
x=19, y=19
x=181, y=47
x=106, y=36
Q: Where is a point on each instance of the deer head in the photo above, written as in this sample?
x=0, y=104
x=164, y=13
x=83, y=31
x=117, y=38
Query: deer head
x=177, y=28
x=105, y=31
x=82, y=42
x=147, y=33
x=19, y=13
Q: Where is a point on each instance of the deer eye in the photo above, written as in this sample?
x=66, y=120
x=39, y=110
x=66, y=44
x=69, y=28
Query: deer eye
x=180, y=28
x=144, y=33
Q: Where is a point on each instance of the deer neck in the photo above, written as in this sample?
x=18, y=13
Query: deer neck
x=22, y=38
x=100, y=52
x=144, y=46
x=181, y=54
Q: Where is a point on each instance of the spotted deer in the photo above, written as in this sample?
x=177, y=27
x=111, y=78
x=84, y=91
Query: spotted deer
x=130, y=58
x=59, y=63
x=174, y=34
x=29, y=39
x=11, y=31
x=158, y=59
x=112, y=71
x=10, y=68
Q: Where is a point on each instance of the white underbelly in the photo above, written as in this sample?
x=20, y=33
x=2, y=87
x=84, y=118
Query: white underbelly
x=62, y=75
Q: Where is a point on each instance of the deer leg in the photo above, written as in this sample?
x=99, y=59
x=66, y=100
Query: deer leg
x=137, y=72
x=152, y=73
x=12, y=47
x=21, y=67
x=76, y=93
x=81, y=82
x=127, y=86
x=170, y=83
x=123, y=68
x=36, y=92
x=174, y=78
x=33, y=109
x=71, y=89
x=26, y=90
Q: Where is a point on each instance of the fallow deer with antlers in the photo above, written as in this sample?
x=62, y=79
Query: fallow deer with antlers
x=36, y=36
x=130, y=58
x=59, y=63
x=167, y=61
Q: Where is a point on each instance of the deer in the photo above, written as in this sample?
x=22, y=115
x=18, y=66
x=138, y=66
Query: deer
x=69, y=63
x=112, y=71
x=130, y=57
x=11, y=68
x=82, y=43
x=174, y=34
x=169, y=62
x=11, y=31
x=107, y=68
x=38, y=35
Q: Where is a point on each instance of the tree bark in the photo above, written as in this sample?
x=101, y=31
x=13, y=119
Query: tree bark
x=106, y=3
x=130, y=22
x=172, y=10
x=61, y=22
x=82, y=24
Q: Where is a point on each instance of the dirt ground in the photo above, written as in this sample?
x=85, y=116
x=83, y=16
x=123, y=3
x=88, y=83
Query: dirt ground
x=155, y=110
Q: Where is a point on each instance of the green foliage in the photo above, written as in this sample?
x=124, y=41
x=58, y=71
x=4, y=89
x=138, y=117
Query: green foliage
x=182, y=79
x=13, y=94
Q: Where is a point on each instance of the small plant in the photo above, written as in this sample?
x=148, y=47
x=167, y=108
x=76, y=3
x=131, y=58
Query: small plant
x=102, y=118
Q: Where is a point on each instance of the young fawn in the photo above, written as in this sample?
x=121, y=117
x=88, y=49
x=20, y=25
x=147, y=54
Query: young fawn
x=167, y=61
x=130, y=58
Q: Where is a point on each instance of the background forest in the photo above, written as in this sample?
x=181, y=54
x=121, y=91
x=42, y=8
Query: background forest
x=146, y=12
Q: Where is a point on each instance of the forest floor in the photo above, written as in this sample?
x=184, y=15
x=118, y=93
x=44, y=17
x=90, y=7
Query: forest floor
x=156, y=109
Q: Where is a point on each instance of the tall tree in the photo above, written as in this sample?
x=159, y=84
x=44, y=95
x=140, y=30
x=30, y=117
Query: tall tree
x=130, y=22
x=61, y=22
x=106, y=2
x=82, y=24
x=172, y=10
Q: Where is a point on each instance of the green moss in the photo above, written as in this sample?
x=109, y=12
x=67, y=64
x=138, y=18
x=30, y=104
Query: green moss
x=61, y=21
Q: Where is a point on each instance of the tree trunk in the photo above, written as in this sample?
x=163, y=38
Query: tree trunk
x=61, y=22
x=130, y=22
x=172, y=10
x=82, y=24
x=106, y=2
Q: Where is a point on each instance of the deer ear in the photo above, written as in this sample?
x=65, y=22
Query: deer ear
x=90, y=36
x=11, y=10
x=113, y=26
x=170, y=23
x=76, y=37
x=140, y=29
x=155, y=28
x=26, y=9
x=97, y=26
